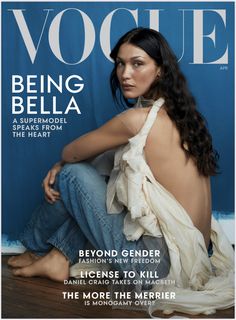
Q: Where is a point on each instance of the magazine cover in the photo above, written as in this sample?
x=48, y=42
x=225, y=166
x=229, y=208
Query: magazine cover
x=117, y=195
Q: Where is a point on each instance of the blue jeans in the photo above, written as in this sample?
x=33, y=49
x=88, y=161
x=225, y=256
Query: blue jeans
x=81, y=217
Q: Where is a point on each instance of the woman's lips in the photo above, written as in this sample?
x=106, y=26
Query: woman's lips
x=127, y=86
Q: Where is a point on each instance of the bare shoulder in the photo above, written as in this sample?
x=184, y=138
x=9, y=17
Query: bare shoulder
x=134, y=118
x=134, y=112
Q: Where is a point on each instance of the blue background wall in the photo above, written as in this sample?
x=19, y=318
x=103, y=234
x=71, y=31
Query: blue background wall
x=25, y=161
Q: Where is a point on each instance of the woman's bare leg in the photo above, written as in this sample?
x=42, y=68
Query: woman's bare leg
x=22, y=260
x=53, y=265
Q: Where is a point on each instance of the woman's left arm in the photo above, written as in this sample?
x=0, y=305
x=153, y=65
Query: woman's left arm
x=112, y=134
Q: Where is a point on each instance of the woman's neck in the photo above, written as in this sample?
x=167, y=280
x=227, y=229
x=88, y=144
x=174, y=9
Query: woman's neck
x=144, y=102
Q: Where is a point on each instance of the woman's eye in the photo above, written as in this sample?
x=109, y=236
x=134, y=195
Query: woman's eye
x=137, y=64
x=119, y=63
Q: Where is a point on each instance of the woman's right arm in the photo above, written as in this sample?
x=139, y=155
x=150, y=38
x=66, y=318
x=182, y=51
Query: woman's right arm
x=112, y=134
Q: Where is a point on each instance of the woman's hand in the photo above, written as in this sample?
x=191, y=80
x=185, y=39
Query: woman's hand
x=51, y=195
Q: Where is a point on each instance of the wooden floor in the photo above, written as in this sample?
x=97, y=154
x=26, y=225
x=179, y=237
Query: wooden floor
x=41, y=298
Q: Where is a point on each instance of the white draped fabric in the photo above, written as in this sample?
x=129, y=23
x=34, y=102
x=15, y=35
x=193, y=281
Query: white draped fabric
x=202, y=284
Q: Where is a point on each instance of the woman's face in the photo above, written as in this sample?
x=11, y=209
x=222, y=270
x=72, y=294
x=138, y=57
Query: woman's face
x=136, y=71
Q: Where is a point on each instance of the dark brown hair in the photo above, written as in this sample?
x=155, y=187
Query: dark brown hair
x=180, y=105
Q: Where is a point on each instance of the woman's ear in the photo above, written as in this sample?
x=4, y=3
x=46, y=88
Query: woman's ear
x=158, y=74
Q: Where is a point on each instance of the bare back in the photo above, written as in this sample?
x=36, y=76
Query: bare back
x=173, y=170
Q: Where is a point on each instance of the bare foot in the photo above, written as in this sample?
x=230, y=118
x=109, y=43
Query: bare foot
x=54, y=266
x=23, y=260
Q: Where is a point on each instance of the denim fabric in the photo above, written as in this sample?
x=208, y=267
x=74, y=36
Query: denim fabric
x=81, y=216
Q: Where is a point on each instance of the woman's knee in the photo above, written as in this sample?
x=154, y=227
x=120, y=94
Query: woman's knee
x=80, y=169
x=83, y=172
x=80, y=185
